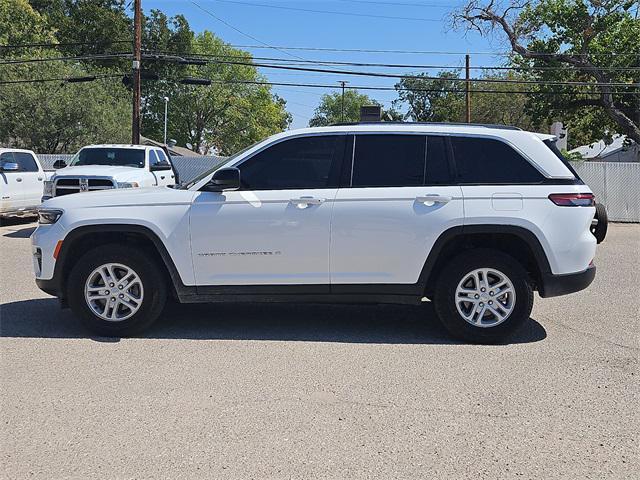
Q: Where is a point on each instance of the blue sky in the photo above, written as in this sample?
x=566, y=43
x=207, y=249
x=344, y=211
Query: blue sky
x=425, y=26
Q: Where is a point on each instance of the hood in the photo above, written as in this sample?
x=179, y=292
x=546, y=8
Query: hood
x=122, y=197
x=120, y=174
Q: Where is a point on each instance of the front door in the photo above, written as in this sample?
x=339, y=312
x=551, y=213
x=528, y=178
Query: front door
x=398, y=201
x=32, y=179
x=11, y=182
x=275, y=230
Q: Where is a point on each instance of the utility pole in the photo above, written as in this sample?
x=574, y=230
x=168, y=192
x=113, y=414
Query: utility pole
x=467, y=61
x=166, y=108
x=137, y=47
x=343, y=83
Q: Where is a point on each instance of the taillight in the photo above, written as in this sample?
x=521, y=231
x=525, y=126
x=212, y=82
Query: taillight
x=573, y=199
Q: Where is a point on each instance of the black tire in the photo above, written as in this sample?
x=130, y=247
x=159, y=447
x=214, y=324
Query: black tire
x=600, y=223
x=150, y=273
x=454, y=272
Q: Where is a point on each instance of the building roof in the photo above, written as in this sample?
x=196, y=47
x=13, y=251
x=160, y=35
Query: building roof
x=173, y=150
x=600, y=149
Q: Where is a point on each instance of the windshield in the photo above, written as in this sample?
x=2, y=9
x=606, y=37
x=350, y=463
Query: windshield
x=121, y=157
x=218, y=165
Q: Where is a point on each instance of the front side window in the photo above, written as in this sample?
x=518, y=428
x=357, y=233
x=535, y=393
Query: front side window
x=388, y=161
x=25, y=161
x=122, y=157
x=489, y=161
x=6, y=157
x=298, y=163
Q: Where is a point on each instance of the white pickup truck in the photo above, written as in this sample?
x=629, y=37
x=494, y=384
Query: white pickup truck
x=21, y=181
x=103, y=167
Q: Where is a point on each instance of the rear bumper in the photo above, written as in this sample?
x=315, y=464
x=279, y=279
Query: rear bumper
x=556, y=285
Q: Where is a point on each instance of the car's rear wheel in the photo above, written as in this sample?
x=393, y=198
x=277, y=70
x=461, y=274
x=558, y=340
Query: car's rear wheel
x=483, y=296
x=116, y=290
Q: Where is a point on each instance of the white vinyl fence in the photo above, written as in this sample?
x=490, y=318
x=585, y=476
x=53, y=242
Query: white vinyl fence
x=615, y=184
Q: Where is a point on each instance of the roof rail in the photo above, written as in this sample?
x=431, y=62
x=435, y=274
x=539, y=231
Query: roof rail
x=461, y=124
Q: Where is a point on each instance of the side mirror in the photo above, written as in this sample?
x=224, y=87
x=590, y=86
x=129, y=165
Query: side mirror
x=224, y=179
x=162, y=165
x=9, y=167
x=59, y=164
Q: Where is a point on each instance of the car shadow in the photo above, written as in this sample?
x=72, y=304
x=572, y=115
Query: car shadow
x=22, y=233
x=383, y=324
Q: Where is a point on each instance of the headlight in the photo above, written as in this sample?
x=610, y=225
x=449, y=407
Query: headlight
x=47, y=216
x=48, y=188
x=128, y=184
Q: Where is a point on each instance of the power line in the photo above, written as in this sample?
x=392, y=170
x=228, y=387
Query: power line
x=399, y=65
x=421, y=52
x=329, y=86
x=105, y=56
x=63, y=44
x=211, y=14
x=422, y=77
x=61, y=79
x=402, y=4
x=329, y=12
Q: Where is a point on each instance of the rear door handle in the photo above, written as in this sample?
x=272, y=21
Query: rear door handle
x=18, y=179
x=304, y=202
x=433, y=198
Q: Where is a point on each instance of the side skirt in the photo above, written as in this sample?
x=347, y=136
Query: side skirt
x=302, y=298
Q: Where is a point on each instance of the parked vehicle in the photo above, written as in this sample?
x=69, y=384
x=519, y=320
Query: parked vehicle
x=474, y=218
x=105, y=167
x=21, y=182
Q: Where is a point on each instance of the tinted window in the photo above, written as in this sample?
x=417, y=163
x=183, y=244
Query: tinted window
x=126, y=157
x=437, y=171
x=306, y=162
x=162, y=156
x=388, y=161
x=153, y=158
x=483, y=160
x=6, y=157
x=25, y=161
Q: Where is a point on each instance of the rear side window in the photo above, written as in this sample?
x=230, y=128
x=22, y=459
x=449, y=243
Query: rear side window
x=484, y=160
x=388, y=161
x=305, y=162
x=437, y=170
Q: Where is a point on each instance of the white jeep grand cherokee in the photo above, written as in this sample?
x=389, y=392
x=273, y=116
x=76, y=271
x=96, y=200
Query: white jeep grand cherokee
x=472, y=217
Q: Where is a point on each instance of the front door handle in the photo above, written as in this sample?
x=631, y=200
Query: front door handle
x=433, y=198
x=304, y=202
x=18, y=179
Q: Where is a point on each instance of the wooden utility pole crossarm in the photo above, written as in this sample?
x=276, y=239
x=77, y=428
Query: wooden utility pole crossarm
x=137, y=47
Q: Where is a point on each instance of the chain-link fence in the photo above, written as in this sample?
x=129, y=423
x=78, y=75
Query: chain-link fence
x=615, y=184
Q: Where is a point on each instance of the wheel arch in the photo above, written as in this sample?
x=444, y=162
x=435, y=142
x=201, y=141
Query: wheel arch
x=518, y=242
x=86, y=237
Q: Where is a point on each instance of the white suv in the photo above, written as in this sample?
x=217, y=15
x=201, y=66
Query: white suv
x=472, y=217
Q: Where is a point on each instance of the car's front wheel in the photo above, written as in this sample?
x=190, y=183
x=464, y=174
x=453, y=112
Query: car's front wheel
x=483, y=296
x=116, y=290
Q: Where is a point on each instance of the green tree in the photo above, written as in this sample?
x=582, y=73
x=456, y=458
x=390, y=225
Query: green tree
x=330, y=109
x=224, y=117
x=431, y=100
x=53, y=117
x=578, y=41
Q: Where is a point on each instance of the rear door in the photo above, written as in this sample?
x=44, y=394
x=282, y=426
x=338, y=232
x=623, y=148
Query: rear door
x=32, y=179
x=275, y=229
x=397, y=200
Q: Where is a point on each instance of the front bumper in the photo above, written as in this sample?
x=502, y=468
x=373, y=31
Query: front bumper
x=556, y=285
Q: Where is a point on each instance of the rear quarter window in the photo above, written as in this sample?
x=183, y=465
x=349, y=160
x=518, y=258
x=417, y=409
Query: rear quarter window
x=489, y=161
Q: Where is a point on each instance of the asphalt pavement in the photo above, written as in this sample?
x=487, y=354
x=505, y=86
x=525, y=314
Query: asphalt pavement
x=336, y=392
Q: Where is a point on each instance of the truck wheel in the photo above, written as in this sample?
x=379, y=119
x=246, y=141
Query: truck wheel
x=483, y=296
x=116, y=291
x=600, y=223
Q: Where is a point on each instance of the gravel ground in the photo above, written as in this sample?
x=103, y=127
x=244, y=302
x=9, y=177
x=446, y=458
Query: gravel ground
x=255, y=391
